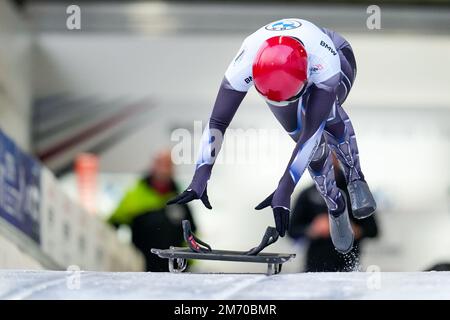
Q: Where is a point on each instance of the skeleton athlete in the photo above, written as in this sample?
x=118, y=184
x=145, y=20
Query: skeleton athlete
x=304, y=73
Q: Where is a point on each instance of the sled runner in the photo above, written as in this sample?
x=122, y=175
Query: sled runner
x=200, y=250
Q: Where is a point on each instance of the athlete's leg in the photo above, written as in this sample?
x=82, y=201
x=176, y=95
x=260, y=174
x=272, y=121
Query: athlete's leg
x=341, y=138
x=322, y=172
x=321, y=164
x=340, y=134
x=291, y=118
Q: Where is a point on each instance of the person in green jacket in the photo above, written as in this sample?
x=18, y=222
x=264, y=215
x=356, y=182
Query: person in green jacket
x=152, y=223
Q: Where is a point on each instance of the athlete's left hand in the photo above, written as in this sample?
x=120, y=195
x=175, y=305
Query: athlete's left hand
x=280, y=213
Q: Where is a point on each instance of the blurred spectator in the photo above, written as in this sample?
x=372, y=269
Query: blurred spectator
x=310, y=220
x=143, y=208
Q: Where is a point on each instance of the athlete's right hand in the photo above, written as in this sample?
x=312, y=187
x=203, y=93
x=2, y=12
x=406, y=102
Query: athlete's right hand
x=188, y=195
x=280, y=211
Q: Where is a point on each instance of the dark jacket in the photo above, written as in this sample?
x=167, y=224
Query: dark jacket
x=152, y=223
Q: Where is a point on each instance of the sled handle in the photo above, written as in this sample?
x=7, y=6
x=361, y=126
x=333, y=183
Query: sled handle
x=270, y=236
x=193, y=242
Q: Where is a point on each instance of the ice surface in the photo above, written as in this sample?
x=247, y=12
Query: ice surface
x=18, y=284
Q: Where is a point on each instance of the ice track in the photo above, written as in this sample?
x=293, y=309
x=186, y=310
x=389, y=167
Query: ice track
x=18, y=284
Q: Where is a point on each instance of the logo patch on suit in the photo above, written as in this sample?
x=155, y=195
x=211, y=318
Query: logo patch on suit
x=326, y=46
x=283, y=25
x=316, y=68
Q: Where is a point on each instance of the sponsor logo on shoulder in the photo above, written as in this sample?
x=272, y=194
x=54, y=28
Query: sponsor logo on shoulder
x=316, y=68
x=326, y=46
x=286, y=24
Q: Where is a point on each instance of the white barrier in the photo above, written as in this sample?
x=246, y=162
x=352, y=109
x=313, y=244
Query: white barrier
x=72, y=236
x=38, y=216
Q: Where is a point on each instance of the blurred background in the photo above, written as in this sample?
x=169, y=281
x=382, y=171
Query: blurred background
x=91, y=108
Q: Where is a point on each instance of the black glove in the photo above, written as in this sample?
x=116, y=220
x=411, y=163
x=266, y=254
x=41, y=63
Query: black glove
x=280, y=214
x=189, y=195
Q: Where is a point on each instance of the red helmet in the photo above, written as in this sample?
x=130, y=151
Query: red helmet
x=280, y=69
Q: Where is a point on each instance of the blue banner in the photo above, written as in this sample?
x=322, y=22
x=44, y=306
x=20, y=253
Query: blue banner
x=19, y=188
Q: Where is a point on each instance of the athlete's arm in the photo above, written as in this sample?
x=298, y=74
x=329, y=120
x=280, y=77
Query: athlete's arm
x=318, y=109
x=225, y=107
x=234, y=87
